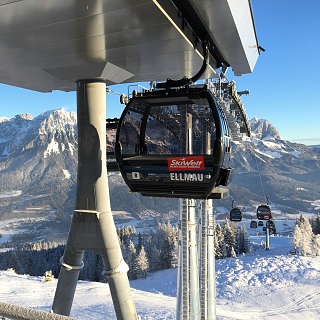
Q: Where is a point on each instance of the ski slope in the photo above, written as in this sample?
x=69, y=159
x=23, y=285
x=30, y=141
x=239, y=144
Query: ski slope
x=259, y=285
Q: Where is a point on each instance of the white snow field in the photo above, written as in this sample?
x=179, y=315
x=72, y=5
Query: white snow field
x=260, y=285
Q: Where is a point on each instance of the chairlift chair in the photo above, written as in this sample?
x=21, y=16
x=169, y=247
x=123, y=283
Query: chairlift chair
x=174, y=143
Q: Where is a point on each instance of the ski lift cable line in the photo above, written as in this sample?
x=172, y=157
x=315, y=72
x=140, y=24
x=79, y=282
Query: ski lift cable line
x=259, y=173
x=111, y=91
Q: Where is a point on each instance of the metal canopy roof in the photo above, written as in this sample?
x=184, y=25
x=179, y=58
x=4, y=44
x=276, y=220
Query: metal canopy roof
x=47, y=45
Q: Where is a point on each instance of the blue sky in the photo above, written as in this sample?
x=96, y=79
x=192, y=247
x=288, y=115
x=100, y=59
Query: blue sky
x=283, y=86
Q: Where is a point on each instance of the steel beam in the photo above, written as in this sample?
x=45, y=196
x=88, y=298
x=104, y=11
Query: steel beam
x=92, y=226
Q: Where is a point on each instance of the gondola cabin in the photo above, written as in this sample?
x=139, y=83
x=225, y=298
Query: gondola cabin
x=174, y=143
x=253, y=224
x=264, y=212
x=260, y=223
x=270, y=224
x=235, y=215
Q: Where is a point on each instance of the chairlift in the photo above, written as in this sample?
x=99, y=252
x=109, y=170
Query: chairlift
x=253, y=224
x=174, y=143
x=260, y=223
x=264, y=212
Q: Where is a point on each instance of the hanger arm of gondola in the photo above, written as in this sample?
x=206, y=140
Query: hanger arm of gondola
x=187, y=81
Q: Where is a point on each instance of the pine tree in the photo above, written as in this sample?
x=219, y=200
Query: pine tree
x=219, y=246
x=28, y=262
x=243, y=240
x=166, y=254
x=229, y=237
x=153, y=253
x=307, y=238
x=15, y=264
x=302, y=237
x=142, y=263
x=233, y=253
x=132, y=261
x=316, y=244
x=315, y=224
x=166, y=243
x=140, y=242
x=98, y=269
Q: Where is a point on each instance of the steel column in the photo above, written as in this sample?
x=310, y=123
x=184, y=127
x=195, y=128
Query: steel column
x=267, y=237
x=188, y=300
x=92, y=226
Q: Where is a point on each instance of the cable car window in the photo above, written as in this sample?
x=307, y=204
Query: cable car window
x=130, y=135
x=179, y=129
x=111, y=128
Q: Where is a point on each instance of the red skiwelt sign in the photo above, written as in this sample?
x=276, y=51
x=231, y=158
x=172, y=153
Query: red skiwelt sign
x=186, y=163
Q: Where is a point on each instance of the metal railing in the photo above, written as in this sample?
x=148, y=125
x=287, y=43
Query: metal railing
x=13, y=312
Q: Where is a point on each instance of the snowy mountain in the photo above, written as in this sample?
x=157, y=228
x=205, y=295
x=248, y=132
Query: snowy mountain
x=263, y=129
x=38, y=167
x=38, y=152
x=261, y=285
x=50, y=132
x=38, y=163
x=288, y=172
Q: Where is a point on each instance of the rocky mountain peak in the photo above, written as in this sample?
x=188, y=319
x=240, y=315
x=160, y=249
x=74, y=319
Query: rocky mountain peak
x=3, y=119
x=52, y=128
x=263, y=129
x=56, y=121
x=25, y=116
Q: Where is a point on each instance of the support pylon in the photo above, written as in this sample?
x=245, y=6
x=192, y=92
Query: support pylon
x=92, y=226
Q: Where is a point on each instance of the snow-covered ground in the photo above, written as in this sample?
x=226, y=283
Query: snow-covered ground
x=260, y=285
